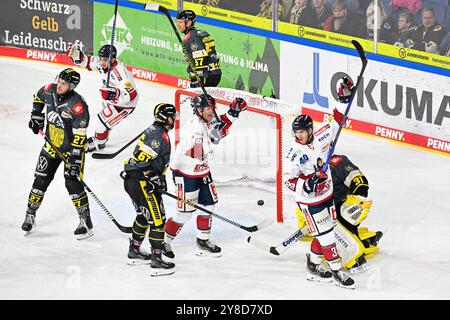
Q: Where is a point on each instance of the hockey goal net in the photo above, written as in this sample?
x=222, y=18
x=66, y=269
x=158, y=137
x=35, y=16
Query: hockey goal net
x=252, y=154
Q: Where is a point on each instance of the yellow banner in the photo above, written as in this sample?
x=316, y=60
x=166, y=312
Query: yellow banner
x=322, y=36
x=414, y=55
x=169, y=4
x=229, y=16
x=307, y=33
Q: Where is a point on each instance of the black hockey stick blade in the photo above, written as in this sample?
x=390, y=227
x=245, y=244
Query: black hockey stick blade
x=263, y=224
x=124, y=229
x=105, y=210
x=97, y=155
x=362, y=54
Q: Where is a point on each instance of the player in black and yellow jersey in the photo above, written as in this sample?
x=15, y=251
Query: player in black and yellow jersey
x=202, y=48
x=66, y=118
x=144, y=181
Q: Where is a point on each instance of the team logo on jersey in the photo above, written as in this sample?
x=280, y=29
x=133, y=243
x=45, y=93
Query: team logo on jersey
x=194, y=46
x=78, y=109
x=335, y=160
x=42, y=164
x=82, y=123
x=349, y=168
x=154, y=144
x=65, y=115
x=145, y=212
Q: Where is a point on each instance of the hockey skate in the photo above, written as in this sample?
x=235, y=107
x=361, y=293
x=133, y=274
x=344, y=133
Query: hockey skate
x=317, y=272
x=136, y=257
x=207, y=249
x=360, y=266
x=159, y=267
x=84, y=229
x=93, y=145
x=341, y=279
x=29, y=222
x=167, y=251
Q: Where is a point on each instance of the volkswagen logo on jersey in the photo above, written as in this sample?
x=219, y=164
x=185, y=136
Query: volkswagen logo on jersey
x=42, y=164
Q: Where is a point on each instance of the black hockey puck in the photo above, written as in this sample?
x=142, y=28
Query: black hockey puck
x=260, y=202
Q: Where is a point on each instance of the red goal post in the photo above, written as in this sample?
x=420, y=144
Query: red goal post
x=273, y=119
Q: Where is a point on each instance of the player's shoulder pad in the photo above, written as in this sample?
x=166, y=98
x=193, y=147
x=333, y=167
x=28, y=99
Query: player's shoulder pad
x=344, y=164
x=48, y=87
x=156, y=137
x=121, y=67
x=78, y=105
x=202, y=33
x=321, y=129
x=78, y=98
x=155, y=132
x=335, y=160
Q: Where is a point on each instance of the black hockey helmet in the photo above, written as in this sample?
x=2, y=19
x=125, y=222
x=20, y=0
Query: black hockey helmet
x=201, y=101
x=71, y=76
x=106, y=50
x=163, y=111
x=187, y=15
x=302, y=122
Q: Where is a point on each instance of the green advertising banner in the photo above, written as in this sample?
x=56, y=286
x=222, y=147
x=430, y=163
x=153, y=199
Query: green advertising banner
x=146, y=40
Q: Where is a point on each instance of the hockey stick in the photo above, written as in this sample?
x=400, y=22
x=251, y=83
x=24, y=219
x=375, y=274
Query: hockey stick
x=116, y=6
x=283, y=246
x=100, y=204
x=363, y=57
x=97, y=155
x=265, y=223
x=190, y=60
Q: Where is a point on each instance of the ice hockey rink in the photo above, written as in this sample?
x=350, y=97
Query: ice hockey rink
x=409, y=188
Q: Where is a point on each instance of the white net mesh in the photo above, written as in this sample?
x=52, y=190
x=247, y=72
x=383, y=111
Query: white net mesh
x=251, y=155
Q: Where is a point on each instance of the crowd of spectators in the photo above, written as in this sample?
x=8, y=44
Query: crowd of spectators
x=406, y=23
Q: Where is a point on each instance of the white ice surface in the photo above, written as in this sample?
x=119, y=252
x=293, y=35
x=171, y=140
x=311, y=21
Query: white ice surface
x=409, y=188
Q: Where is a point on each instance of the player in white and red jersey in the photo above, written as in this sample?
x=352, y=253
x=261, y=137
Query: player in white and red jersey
x=313, y=189
x=191, y=172
x=119, y=98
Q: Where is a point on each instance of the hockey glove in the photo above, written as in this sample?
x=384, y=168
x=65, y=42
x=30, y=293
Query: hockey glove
x=194, y=82
x=337, y=116
x=156, y=183
x=345, y=90
x=316, y=183
x=237, y=106
x=75, y=54
x=291, y=184
x=162, y=183
x=355, y=209
x=110, y=93
x=73, y=165
x=36, y=122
